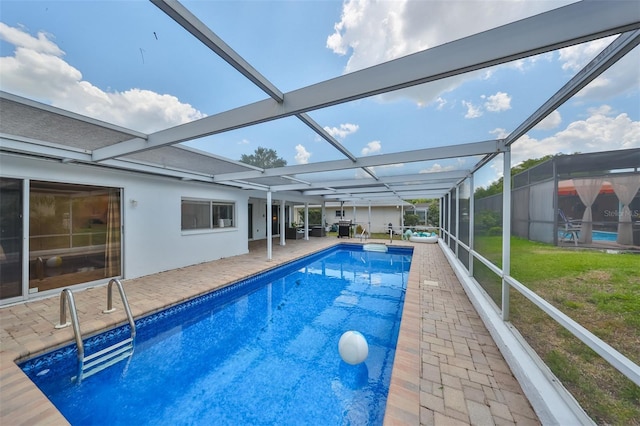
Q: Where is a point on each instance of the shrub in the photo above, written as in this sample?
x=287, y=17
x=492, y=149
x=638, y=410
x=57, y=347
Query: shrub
x=411, y=219
x=495, y=231
x=487, y=219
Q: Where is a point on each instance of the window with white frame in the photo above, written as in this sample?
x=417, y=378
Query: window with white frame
x=338, y=213
x=207, y=214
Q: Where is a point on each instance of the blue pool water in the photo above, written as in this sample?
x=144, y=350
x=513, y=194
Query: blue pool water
x=595, y=235
x=604, y=236
x=263, y=351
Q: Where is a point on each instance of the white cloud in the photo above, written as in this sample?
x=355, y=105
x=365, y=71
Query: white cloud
x=494, y=103
x=343, y=131
x=440, y=102
x=244, y=142
x=473, y=111
x=499, y=133
x=621, y=78
x=603, y=130
x=498, y=102
x=574, y=58
x=551, y=121
x=302, y=155
x=374, y=32
x=372, y=148
x=38, y=71
x=618, y=79
x=21, y=39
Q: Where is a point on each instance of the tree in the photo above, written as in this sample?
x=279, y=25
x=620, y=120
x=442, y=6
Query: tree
x=264, y=157
x=411, y=219
x=433, y=210
x=315, y=216
x=496, y=187
x=433, y=214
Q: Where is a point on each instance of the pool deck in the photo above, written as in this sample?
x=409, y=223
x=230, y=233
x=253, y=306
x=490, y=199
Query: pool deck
x=447, y=369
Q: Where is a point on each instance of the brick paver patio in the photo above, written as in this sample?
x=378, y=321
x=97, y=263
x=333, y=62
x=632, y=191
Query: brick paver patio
x=447, y=369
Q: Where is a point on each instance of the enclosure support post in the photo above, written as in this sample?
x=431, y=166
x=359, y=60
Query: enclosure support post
x=269, y=225
x=506, y=230
x=457, y=218
x=306, y=221
x=471, y=223
x=282, y=222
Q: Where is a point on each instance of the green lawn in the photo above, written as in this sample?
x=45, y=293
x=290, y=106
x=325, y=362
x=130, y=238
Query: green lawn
x=600, y=291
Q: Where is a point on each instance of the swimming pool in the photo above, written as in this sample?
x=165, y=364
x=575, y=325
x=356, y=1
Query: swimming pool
x=262, y=351
x=604, y=236
x=595, y=235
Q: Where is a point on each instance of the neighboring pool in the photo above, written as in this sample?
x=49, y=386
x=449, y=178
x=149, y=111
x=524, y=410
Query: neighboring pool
x=262, y=351
x=595, y=235
x=604, y=236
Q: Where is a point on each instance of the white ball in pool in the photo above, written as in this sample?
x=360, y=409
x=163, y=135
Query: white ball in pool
x=353, y=347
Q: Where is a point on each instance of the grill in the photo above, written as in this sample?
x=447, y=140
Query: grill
x=344, y=228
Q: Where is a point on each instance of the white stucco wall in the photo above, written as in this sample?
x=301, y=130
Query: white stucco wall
x=381, y=216
x=152, y=237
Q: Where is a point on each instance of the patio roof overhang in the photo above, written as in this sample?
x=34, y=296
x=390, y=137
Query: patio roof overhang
x=31, y=128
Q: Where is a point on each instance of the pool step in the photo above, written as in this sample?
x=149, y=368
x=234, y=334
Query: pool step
x=381, y=248
x=107, y=357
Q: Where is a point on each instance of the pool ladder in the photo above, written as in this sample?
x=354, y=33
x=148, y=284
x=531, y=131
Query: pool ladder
x=91, y=364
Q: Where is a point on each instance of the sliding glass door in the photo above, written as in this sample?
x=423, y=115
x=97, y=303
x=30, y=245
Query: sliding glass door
x=10, y=238
x=74, y=234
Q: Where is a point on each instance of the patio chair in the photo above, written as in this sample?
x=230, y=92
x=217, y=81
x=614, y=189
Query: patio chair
x=569, y=229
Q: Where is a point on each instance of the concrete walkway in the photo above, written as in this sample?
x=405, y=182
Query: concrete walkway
x=447, y=369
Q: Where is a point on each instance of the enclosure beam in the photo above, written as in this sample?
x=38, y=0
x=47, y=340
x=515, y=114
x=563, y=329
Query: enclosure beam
x=426, y=154
x=545, y=32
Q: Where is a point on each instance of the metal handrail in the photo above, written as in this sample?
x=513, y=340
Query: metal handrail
x=66, y=296
x=123, y=296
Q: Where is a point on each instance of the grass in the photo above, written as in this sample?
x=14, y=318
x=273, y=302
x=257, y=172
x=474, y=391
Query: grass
x=601, y=292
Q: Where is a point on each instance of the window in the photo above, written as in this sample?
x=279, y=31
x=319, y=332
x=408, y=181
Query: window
x=74, y=234
x=207, y=214
x=338, y=213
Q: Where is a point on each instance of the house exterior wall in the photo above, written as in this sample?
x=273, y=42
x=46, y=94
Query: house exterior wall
x=260, y=220
x=157, y=243
x=381, y=216
x=152, y=237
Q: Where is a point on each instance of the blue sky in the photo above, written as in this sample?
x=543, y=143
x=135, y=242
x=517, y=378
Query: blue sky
x=127, y=63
